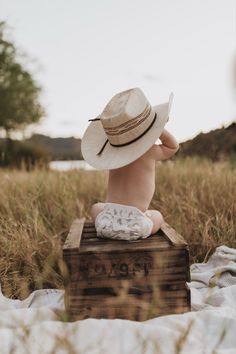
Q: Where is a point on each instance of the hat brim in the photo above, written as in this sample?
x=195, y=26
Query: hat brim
x=116, y=157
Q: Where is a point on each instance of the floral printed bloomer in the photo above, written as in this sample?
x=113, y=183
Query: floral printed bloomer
x=123, y=222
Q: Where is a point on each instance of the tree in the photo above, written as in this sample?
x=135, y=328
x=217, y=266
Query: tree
x=19, y=93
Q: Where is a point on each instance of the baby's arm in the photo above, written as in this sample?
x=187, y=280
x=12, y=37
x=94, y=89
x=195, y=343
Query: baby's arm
x=168, y=147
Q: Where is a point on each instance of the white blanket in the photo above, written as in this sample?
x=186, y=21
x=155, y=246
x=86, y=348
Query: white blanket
x=33, y=326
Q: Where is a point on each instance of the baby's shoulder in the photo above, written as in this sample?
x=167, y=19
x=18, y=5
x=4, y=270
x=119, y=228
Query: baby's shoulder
x=150, y=154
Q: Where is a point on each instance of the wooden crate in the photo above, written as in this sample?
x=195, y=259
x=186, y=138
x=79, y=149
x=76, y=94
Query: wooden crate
x=133, y=280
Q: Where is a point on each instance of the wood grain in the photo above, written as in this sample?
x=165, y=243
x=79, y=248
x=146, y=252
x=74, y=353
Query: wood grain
x=136, y=312
x=175, y=238
x=106, y=277
x=140, y=311
x=74, y=237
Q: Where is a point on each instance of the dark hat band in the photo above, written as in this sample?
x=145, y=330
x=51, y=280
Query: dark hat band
x=129, y=142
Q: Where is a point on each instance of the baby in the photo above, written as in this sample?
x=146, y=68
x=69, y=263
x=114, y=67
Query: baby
x=125, y=214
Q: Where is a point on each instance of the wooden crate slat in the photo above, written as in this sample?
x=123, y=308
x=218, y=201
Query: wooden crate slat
x=98, y=241
x=115, y=276
x=134, y=309
x=87, y=233
x=115, y=283
x=113, y=302
x=133, y=262
x=161, y=282
x=74, y=237
x=175, y=238
x=125, y=246
x=164, y=252
x=134, y=313
x=138, y=284
x=131, y=291
x=89, y=224
x=129, y=306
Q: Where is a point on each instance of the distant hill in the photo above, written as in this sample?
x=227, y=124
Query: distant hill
x=58, y=148
x=54, y=148
x=216, y=145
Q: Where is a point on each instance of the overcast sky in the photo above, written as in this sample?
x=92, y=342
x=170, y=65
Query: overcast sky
x=89, y=50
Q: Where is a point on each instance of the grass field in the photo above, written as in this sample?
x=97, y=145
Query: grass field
x=196, y=197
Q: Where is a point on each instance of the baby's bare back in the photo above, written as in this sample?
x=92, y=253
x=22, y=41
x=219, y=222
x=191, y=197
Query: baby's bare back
x=133, y=184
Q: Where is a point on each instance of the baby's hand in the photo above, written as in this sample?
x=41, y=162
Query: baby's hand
x=168, y=147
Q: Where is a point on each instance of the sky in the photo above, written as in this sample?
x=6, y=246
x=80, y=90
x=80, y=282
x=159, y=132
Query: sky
x=85, y=51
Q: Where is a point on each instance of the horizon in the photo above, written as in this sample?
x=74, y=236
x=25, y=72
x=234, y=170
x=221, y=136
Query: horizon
x=72, y=136
x=187, y=48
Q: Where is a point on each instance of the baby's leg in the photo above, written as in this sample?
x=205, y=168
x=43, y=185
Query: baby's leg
x=156, y=218
x=96, y=209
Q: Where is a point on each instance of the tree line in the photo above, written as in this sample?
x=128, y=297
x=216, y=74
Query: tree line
x=19, y=102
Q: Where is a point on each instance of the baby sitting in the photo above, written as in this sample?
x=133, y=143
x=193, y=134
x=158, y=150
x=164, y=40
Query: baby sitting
x=122, y=140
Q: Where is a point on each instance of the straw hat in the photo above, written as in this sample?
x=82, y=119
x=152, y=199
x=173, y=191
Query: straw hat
x=125, y=130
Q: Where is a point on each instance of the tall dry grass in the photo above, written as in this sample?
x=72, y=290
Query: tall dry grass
x=198, y=198
x=36, y=209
